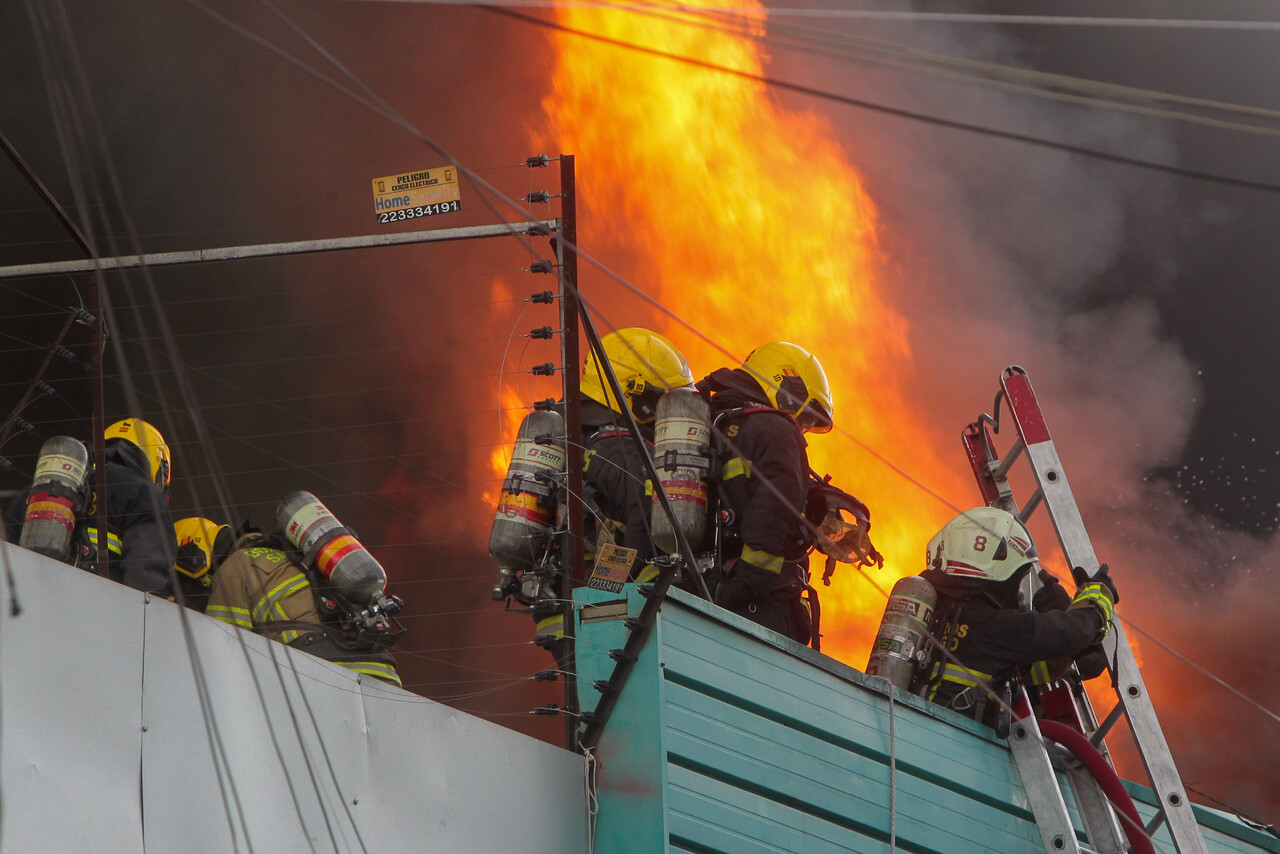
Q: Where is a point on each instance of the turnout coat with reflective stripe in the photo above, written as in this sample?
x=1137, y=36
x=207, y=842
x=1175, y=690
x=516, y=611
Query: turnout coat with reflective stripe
x=257, y=586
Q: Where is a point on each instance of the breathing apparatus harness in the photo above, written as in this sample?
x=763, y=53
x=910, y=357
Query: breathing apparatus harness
x=350, y=627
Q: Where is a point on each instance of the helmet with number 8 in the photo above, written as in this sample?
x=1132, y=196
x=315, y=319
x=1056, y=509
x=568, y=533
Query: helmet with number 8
x=984, y=544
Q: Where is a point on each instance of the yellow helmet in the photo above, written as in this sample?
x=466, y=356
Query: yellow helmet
x=646, y=365
x=146, y=438
x=201, y=544
x=794, y=382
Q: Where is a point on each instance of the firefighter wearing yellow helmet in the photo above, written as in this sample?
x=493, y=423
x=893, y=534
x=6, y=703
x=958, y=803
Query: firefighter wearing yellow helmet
x=977, y=563
x=202, y=546
x=140, y=544
x=615, y=487
x=761, y=412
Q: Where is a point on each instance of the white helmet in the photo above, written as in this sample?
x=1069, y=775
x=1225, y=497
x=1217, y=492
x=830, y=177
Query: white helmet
x=985, y=543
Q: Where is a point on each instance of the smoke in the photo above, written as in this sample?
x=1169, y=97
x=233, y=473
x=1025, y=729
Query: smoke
x=1003, y=253
x=393, y=366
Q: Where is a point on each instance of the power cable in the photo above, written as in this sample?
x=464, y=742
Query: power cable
x=981, y=130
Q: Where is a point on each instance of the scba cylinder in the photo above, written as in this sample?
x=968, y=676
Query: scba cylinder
x=681, y=454
x=57, y=493
x=330, y=548
x=527, y=507
x=903, y=640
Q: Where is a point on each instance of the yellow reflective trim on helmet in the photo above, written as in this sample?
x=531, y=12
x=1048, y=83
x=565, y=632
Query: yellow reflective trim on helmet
x=736, y=467
x=228, y=614
x=1040, y=673
x=376, y=669
x=763, y=560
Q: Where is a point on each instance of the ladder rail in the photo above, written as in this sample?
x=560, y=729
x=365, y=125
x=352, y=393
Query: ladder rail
x=1068, y=524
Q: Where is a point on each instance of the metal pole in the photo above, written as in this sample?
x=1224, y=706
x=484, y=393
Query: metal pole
x=103, y=542
x=263, y=250
x=572, y=551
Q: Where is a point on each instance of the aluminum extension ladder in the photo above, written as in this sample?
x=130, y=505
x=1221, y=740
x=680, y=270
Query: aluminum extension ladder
x=1134, y=703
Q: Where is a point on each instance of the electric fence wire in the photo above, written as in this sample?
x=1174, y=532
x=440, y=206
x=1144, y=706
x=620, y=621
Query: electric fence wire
x=192, y=409
x=384, y=109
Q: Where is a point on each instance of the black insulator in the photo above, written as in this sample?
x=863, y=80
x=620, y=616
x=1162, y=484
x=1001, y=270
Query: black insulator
x=545, y=641
x=547, y=369
x=544, y=405
x=549, y=709
x=71, y=357
x=539, y=229
x=633, y=623
x=645, y=590
x=538, y=161
x=5, y=464
x=540, y=267
x=545, y=297
x=601, y=685
x=46, y=389
x=588, y=717
x=542, y=332
x=546, y=676
x=618, y=654
x=538, y=197
x=83, y=316
x=24, y=425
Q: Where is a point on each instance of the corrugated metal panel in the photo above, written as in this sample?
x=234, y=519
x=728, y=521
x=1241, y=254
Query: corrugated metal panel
x=729, y=738
x=310, y=758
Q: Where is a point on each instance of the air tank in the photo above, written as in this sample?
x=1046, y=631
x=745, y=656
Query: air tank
x=527, y=506
x=57, y=493
x=682, y=440
x=903, y=639
x=330, y=548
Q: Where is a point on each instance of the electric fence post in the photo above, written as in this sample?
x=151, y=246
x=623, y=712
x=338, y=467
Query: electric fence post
x=571, y=553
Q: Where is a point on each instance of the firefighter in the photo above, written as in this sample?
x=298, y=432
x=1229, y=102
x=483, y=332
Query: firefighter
x=262, y=586
x=615, y=488
x=202, y=545
x=616, y=491
x=761, y=412
x=140, y=540
x=977, y=564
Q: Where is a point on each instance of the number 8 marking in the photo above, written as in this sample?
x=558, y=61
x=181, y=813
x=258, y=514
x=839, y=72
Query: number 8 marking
x=979, y=543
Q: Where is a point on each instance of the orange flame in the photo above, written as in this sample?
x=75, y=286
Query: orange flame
x=754, y=226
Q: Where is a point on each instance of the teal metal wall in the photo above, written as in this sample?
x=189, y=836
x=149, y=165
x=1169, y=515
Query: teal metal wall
x=730, y=738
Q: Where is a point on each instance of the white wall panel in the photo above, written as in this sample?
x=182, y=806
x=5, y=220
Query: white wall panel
x=104, y=721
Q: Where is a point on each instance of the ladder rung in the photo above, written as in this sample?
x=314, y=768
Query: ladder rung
x=1032, y=503
x=1002, y=468
x=1155, y=823
x=1105, y=727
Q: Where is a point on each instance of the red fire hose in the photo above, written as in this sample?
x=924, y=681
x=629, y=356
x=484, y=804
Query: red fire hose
x=1101, y=769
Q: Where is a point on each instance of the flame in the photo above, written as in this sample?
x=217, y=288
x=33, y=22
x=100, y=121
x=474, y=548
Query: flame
x=752, y=223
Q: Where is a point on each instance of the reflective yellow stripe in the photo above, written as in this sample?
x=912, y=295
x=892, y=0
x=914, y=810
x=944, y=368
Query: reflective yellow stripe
x=963, y=675
x=551, y=626
x=1040, y=673
x=1096, y=594
x=647, y=573
x=114, y=544
x=586, y=460
x=262, y=611
x=377, y=669
x=736, y=467
x=763, y=560
x=234, y=616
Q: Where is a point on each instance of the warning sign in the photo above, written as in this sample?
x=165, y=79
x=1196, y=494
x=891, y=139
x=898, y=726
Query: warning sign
x=612, y=568
x=414, y=194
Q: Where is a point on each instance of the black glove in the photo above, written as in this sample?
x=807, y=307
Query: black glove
x=1103, y=576
x=1051, y=596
